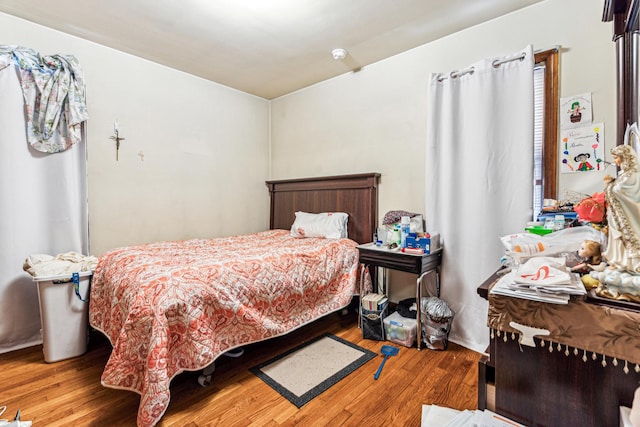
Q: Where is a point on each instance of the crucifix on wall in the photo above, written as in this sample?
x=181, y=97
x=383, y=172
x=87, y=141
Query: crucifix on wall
x=117, y=138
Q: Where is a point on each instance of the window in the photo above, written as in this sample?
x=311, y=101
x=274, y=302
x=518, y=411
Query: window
x=545, y=170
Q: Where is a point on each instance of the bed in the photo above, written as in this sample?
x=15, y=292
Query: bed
x=175, y=306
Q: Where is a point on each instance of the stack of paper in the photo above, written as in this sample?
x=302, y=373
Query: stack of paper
x=487, y=418
x=438, y=416
x=545, y=279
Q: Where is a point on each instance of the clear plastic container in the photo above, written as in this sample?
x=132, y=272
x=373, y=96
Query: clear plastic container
x=401, y=330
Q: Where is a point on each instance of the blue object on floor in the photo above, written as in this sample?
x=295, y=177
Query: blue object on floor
x=387, y=350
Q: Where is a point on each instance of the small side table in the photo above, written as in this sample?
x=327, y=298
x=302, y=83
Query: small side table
x=419, y=264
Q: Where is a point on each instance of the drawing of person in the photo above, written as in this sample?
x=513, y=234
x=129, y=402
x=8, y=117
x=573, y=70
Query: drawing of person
x=576, y=115
x=582, y=159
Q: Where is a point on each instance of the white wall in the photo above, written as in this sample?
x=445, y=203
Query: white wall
x=205, y=146
x=375, y=119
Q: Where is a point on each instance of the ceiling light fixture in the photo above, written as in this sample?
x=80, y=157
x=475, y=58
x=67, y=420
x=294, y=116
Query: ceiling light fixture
x=339, y=53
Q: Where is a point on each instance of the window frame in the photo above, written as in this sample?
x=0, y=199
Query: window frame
x=549, y=58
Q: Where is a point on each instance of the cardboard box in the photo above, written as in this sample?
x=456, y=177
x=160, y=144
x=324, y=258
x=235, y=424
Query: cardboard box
x=428, y=244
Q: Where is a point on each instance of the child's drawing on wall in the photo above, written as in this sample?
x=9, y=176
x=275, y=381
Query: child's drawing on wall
x=575, y=111
x=582, y=148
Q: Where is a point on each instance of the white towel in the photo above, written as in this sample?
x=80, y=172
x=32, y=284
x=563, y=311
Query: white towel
x=43, y=265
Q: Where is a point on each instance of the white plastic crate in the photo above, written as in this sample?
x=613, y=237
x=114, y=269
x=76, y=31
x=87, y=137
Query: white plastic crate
x=64, y=315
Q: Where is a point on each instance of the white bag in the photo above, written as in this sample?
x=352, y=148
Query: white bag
x=543, y=271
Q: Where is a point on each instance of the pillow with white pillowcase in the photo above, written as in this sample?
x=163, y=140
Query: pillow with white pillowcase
x=330, y=225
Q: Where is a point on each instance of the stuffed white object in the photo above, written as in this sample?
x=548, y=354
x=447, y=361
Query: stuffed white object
x=620, y=282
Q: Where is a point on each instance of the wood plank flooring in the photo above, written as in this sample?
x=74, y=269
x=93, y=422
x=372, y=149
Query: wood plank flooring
x=69, y=393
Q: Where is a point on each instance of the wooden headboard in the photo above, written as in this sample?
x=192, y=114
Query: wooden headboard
x=356, y=195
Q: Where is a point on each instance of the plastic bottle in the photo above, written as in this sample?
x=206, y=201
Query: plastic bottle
x=393, y=236
x=405, y=226
x=549, y=224
x=529, y=248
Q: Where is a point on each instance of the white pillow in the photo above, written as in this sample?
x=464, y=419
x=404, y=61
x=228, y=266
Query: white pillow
x=331, y=225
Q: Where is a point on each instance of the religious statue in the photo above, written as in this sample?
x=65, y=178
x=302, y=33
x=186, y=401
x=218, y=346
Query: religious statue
x=623, y=212
x=621, y=280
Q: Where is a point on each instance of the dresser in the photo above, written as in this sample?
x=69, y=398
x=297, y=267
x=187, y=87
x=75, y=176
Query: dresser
x=582, y=367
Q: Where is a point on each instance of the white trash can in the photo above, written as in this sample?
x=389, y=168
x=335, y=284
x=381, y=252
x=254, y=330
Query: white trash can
x=64, y=314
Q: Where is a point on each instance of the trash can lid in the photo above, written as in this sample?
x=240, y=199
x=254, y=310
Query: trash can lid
x=62, y=276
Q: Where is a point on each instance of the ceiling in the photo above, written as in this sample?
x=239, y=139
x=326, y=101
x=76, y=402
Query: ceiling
x=267, y=48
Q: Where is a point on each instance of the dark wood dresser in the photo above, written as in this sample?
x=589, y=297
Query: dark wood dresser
x=578, y=375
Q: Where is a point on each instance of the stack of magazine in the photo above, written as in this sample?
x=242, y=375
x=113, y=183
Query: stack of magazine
x=544, y=279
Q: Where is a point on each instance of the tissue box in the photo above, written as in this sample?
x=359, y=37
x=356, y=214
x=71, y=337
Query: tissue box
x=428, y=244
x=401, y=330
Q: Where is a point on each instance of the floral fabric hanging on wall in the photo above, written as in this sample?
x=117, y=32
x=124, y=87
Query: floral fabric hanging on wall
x=54, y=94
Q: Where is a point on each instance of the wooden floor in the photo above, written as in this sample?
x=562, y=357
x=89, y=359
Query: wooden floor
x=69, y=393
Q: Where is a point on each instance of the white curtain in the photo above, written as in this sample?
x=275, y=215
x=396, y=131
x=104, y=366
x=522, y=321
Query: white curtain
x=43, y=210
x=479, y=178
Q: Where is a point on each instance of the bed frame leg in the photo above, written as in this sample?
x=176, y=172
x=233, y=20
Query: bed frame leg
x=205, y=378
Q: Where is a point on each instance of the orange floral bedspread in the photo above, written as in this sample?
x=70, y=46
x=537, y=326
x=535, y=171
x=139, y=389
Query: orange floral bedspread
x=170, y=307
